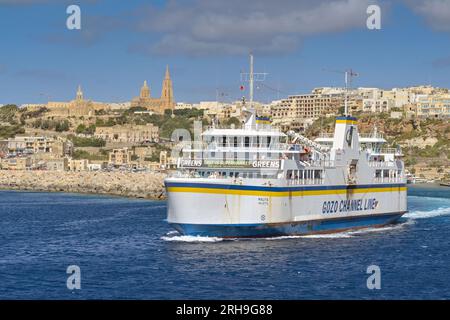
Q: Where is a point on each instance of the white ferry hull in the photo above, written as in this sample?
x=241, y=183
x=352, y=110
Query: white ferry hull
x=233, y=210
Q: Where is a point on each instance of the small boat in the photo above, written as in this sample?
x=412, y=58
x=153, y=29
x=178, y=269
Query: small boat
x=444, y=184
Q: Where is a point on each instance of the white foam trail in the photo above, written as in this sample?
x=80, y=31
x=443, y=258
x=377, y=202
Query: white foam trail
x=439, y=199
x=328, y=235
x=352, y=233
x=191, y=239
x=390, y=227
x=442, y=211
x=174, y=235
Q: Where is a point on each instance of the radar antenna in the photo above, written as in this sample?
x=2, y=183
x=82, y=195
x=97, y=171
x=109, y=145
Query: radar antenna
x=349, y=75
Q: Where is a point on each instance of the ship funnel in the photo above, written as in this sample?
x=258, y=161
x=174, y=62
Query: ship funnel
x=346, y=138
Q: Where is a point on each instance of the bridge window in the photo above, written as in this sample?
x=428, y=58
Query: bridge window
x=247, y=142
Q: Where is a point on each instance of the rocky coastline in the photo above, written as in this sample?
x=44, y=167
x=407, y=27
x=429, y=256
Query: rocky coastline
x=146, y=185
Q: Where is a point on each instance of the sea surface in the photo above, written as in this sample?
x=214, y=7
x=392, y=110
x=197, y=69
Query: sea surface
x=125, y=250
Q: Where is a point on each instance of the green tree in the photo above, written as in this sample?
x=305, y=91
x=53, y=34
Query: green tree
x=86, y=142
x=80, y=129
x=62, y=126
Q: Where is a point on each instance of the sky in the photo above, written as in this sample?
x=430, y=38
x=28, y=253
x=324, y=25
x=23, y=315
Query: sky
x=299, y=44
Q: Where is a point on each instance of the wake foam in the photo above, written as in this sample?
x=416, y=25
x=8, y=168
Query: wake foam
x=442, y=211
x=357, y=232
x=174, y=236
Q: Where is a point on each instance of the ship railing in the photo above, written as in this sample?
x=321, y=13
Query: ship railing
x=361, y=135
x=321, y=163
x=394, y=151
x=371, y=135
x=257, y=127
x=217, y=147
x=398, y=179
x=382, y=164
x=306, y=181
x=230, y=159
x=326, y=135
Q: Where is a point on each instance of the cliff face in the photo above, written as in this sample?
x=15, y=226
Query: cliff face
x=127, y=184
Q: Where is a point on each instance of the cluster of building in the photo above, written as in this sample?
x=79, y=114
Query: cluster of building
x=55, y=154
x=299, y=111
x=80, y=107
x=35, y=152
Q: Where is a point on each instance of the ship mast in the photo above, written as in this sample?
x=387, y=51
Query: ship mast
x=348, y=80
x=349, y=74
x=251, y=78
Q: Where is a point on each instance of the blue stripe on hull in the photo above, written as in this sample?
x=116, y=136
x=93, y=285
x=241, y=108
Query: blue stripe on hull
x=283, y=229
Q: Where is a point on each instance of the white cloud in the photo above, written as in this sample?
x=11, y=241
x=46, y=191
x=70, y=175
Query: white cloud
x=199, y=27
x=435, y=12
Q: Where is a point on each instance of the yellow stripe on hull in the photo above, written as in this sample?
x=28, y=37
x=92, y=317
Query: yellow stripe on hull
x=283, y=193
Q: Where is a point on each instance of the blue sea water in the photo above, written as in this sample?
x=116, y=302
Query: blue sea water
x=125, y=250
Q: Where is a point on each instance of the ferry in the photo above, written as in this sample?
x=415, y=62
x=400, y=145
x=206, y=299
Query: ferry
x=257, y=181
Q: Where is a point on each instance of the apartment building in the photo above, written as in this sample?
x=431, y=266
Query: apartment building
x=58, y=147
x=435, y=106
x=307, y=106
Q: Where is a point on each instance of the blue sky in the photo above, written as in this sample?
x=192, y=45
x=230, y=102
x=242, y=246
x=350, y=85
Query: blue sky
x=205, y=43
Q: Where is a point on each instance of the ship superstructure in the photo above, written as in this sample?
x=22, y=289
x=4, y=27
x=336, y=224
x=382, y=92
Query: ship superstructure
x=257, y=181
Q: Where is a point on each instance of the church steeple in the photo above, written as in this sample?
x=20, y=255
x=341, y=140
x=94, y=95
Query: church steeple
x=79, y=94
x=167, y=76
x=145, y=91
x=167, y=90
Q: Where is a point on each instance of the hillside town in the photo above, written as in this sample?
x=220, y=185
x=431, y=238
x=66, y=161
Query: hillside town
x=82, y=135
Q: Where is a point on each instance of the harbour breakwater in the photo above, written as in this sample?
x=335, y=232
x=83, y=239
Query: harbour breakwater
x=148, y=185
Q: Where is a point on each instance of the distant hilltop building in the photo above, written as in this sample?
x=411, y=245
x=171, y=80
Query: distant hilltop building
x=128, y=133
x=158, y=105
x=78, y=107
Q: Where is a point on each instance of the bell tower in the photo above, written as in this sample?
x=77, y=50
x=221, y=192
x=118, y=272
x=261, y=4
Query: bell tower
x=167, y=91
x=79, y=94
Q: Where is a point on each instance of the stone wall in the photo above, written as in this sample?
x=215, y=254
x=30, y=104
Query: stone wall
x=127, y=184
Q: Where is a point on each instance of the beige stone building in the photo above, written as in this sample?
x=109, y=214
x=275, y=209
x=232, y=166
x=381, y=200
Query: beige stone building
x=78, y=107
x=433, y=106
x=377, y=105
x=158, y=105
x=16, y=163
x=166, y=161
x=143, y=152
x=225, y=111
x=56, y=147
x=306, y=106
x=128, y=133
x=78, y=165
x=61, y=164
x=120, y=157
